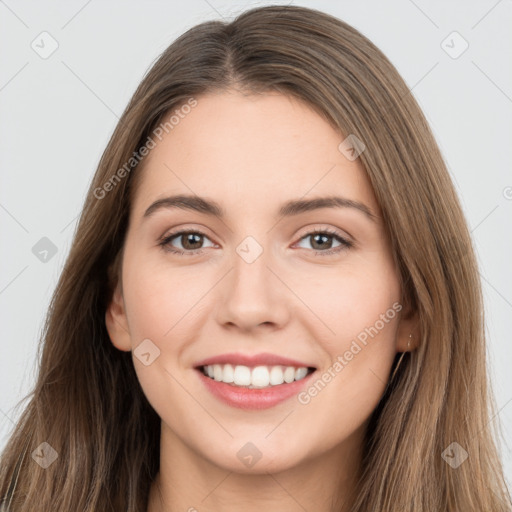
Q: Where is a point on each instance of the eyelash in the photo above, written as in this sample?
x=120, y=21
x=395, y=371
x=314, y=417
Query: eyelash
x=345, y=244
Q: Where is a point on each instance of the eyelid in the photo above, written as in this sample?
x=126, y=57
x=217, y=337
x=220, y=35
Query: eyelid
x=347, y=242
x=169, y=235
x=327, y=229
x=305, y=231
x=197, y=228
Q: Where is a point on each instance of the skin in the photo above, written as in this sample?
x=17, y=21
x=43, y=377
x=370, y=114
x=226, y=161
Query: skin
x=251, y=154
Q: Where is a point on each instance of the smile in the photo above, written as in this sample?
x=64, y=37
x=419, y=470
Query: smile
x=255, y=388
x=255, y=378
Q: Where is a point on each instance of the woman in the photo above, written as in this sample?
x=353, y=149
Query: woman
x=204, y=350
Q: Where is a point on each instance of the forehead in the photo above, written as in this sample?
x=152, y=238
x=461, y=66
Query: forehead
x=250, y=151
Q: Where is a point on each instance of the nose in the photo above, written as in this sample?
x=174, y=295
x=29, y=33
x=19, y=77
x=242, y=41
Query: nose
x=252, y=293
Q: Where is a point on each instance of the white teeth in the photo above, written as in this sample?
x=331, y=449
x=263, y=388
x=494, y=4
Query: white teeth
x=276, y=375
x=242, y=376
x=289, y=374
x=217, y=372
x=300, y=373
x=228, y=374
x=260, y=377
x=257, y=377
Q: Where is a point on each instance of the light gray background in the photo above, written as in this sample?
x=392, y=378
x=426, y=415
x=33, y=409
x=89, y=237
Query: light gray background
x=58, y=113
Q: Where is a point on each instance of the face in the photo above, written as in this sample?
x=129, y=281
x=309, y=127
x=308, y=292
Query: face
x=314, y=285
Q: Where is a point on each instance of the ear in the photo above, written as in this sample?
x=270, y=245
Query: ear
x=116, y=321
x=408, y=331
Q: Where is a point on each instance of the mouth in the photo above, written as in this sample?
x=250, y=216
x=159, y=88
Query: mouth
x=255, y=377
x=254, y=388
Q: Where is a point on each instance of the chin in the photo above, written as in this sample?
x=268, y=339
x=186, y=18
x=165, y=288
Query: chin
x=259, y=457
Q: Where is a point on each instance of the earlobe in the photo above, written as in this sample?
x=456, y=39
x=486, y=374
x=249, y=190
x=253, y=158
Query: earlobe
x=116, y=322
x=408, y=335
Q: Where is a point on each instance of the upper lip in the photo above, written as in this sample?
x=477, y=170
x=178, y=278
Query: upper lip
x=262, y=359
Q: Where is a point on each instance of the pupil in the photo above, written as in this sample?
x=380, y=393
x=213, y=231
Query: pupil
x=189, y=239
x=324, y=237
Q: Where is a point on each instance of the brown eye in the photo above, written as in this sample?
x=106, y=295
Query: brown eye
x=322, y=242
x=191, y=242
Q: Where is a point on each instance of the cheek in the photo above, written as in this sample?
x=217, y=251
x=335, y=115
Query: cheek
x=163, y=305
x=349, y=300
x=361, y=310
x=162, y=301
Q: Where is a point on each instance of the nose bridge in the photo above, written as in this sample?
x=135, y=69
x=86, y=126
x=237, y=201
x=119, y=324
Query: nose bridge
x=251, y=275
x=252, y=294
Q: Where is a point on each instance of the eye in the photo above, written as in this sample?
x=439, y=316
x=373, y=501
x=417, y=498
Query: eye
x=321, y=238
x=191, y=241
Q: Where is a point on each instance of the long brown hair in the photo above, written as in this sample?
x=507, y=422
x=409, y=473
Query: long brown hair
x=87, y=403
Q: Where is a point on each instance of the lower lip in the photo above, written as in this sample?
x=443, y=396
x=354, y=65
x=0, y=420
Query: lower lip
x=245, y=398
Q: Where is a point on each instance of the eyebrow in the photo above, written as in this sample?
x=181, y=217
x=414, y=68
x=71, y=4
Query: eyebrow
x=288, y=209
